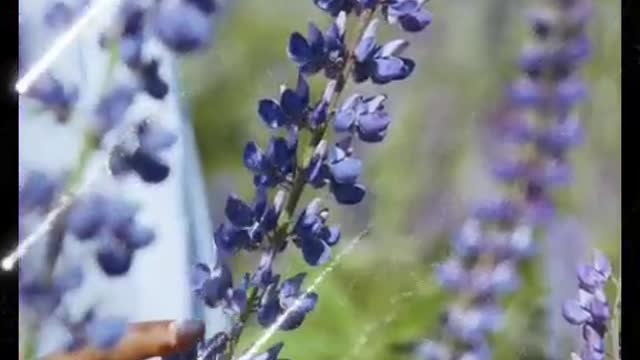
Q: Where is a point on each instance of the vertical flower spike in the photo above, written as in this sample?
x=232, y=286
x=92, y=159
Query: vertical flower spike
x=590, y=310
x=498, y=236
x=300, y=155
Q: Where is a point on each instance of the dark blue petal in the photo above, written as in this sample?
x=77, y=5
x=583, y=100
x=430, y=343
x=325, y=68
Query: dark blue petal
x=299, y=50
x=292, y=104
x=316, y=40
x=291, y=288
x=416, y=21
x=319, y=115
x=302, y=90
x=148, y=167
x=315, y=251
x=271, y=113
x=270, y=220
x=270, y=308
x=151, y=80
x=238, y=212
x=348, y=194
x=231, y=239
x=332, y=237
x=253, y=158
x=373, y=127
x=280, y=152
x=293, y=320
x=114, y=258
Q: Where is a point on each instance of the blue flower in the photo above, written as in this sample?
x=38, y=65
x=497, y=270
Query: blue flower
x=248, y=224
x=111, y=222
x=364, y=116
x=334, y=7
x=292, y=108
x=340, y=170
x=275, y=166
x=320, y=51
x=111, y=109
x=309, y=55
x=151, y=81
x=382, y=64
x=38, y=192
x=132, y=35
x=213, y=286
x=145, y=159
x=183, y=26
x=286, y=299
x=314, y=237
x=591, y=309
x=54, y=96
x=410, y=14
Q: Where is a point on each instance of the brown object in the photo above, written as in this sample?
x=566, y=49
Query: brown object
x=145, y=340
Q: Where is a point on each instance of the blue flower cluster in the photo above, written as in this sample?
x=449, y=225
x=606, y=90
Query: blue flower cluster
x=292, y=162
x=499, y=234
x=183, y=26
x=43, y=285
x=591, y=309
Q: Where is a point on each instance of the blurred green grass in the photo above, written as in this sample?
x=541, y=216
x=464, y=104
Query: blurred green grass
x=464, y=60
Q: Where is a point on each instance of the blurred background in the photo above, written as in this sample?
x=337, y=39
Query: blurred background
x=423, y=178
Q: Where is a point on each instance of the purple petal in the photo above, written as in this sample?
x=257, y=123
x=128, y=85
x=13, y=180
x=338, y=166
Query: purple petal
x=416, y=21
x=253, y=158
x=314, y=251
x=348, y=194
x=299, y=50
x=271, y=113
x=346, y=171
x=574, y=313
x=238, y=212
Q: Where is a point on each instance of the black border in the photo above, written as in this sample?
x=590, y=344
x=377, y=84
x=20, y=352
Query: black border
x=9, y=179
x=630, y=179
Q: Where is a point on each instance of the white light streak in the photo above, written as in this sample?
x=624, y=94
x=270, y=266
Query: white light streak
x=268, y=333
x=44, y=63
x=65, y=201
